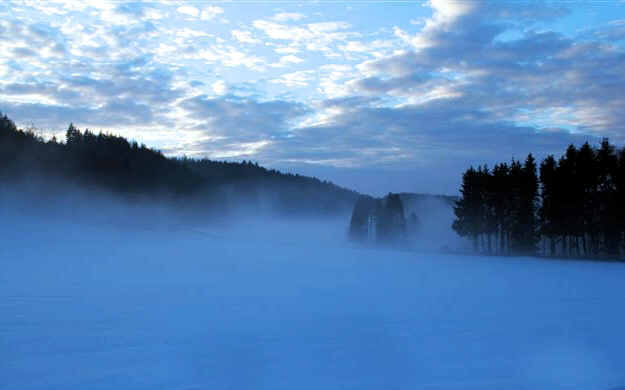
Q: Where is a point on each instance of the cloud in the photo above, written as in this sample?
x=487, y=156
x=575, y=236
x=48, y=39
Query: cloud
x=287, y=60
x=458, y=54
x=295, y=79
x=244, y=36
x=230, y=124
x=220, y=87
x=288, y=16
x=283, y=32
x=188, y=10
x=354, y=46
x=318, y=37
x=211, y=12
x=24, y=52
x=473, y=82
x=287, y=50
x=240, y=117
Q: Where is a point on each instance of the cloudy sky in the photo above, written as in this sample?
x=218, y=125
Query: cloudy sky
x=377, y=96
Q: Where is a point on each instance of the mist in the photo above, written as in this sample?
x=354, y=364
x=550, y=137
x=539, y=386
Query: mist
x=434, y=232
x=105, y=292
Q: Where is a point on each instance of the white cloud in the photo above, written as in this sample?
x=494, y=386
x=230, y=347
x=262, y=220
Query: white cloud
x=326, y=27
x=319, y=37
x=283, y=32
x=189, y=33
x=287, y=16
x=333, y=81
x=188, y=10
x=244, y=36
x=219, y=87
x=354, y=46
x=286, y=50
x=290, y=59
x=211, y=12
x=295, y=79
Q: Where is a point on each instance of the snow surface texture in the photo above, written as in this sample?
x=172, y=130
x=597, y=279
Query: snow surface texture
x=292, y=306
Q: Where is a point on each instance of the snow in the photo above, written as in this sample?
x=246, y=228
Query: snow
x=263, y=307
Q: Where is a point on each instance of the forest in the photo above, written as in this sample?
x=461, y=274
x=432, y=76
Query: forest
x=566, y=207
x=126, y=169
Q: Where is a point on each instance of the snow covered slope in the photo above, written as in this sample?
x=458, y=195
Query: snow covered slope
x=93, y=308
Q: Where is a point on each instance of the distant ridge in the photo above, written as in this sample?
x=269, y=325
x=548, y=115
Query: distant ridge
x=111, y=163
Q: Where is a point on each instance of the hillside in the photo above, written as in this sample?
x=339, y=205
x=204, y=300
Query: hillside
x=113, y=164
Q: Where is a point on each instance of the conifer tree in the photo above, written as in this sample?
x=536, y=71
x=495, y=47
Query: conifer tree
x=528, y=199
x=72, y=136
x=468, y=218
x=548, y=194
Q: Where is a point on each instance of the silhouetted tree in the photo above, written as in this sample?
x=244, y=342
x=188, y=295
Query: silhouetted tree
x=549, y=197
x=576, y=203
x=468, y=220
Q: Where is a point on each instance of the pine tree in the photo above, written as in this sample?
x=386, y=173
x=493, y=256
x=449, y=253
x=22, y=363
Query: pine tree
x=570, y=200
x=72, y=136
x=500, y=191
x=528, y=198
x=587, y=176
x=467, y=208
x=547, y=212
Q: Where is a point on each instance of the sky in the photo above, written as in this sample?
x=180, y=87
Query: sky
x=377, y=96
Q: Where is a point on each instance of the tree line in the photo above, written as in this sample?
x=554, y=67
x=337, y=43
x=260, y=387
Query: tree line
x=378, y=220
x=112, y=163
x=567, y=207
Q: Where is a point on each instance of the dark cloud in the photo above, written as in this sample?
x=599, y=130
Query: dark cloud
x=538, y=71
x=244, y=119
x=432, y=143
x=23, y=52
x=613, y=32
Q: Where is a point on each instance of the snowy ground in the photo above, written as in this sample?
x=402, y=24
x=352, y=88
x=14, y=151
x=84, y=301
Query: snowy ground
x=93, y=308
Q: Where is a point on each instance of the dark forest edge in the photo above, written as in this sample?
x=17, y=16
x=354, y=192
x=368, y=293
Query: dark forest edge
x=396, y=220
x=572, y=207
x=127, y=170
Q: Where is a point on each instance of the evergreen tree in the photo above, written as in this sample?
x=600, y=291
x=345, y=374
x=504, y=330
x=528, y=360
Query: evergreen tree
x=467, y=208
x=528, y=198
x=576, y=203
x=500, y=193
x=72, y=136
x=547, y=212
x=587, y=179
x=607, y=203
x=571, y=201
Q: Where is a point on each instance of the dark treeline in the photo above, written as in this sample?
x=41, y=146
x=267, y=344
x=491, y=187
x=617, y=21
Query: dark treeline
x=571, y=207
x=112, y=163
x=378, y=220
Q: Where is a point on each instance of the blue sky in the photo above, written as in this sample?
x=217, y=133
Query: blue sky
x=377, y=96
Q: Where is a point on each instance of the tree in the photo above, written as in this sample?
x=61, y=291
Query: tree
x=72, y=136
x=548, y=194
x=500, y=198
x=467, y=208
x=608, y=206
x=587, y=177
x=528, y=197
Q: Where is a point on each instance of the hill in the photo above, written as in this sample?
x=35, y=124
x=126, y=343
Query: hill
x=112, y=164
